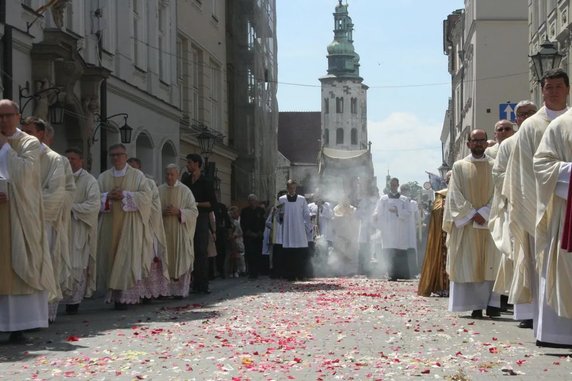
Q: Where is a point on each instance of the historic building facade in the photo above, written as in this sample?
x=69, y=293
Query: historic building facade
x=487, y=46
x=252, y=103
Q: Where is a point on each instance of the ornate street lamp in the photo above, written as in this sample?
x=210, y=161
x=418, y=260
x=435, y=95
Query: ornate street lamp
x=547, y=58
x=125, y=131
x=55, y=110
x=207, y=139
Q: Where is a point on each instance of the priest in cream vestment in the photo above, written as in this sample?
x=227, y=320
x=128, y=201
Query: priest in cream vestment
x=56, y=200
x=156, y=284
x=179, y=218
x=26, y=274
x=125, y=244
x=552, y=166
x=472, y=259
x=83, y=233
x=520, y=190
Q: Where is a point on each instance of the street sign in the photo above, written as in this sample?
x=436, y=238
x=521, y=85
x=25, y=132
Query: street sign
x=506, y=111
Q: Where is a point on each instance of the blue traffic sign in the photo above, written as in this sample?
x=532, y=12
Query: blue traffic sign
x=506, y=111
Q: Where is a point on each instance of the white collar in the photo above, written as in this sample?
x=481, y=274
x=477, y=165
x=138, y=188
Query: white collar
x=78, y=172
x=16, y=134
x=120, y=172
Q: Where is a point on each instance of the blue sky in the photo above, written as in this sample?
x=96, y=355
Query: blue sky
x=401, y=48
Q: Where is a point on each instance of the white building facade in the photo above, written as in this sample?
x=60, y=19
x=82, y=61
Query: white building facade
x=487, y=46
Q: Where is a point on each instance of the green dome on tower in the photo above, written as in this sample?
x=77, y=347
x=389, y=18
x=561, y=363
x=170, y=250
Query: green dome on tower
x=343, y=61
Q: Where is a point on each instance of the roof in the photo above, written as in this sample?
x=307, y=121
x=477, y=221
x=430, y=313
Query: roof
x=299, y=136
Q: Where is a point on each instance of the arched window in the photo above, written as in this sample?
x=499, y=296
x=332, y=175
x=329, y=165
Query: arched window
x=326, y=106
x=353, y=105
x=340, y=136
x=326, y=136
x=340, y=105
x=354, y=136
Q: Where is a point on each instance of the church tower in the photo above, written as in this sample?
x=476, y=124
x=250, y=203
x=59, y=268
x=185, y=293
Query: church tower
x=344, y=95
x=345, y=164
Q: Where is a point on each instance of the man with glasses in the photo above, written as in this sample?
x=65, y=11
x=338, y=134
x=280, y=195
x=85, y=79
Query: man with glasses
x=125, y=251
x=472, y=258
x=520, y=189
x=26, y=274
x=503, y=129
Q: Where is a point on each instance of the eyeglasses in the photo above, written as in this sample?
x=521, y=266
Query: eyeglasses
x=480, y=141
x=525, y=114
x=117, y=154
x=8, y=115
x=504, y=129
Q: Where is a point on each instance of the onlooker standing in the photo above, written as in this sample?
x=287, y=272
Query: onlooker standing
x=205, y=197
x=236, y=264
x=252, y=222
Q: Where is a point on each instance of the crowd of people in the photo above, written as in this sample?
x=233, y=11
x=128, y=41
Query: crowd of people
x=500, y=234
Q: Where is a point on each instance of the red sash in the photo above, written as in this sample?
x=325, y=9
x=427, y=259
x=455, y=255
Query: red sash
x=566, y=242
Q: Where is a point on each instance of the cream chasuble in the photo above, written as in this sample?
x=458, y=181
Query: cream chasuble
x=179, y=231
x=26, y=274
x=519, y=188
x=27, y=266
x=492, y=152
x=498, y=220
x=83, y=229
x=125, y=244
x=157, y=227
x=554, y=152
x=471, y=255
x=53, y=178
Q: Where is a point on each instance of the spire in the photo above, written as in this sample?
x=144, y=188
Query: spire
x=343, y=61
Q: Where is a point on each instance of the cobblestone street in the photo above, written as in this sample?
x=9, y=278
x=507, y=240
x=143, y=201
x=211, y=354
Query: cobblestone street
x=325, y=329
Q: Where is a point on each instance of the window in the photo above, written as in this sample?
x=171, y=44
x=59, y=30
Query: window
x=182, y=73
x=340, y=105
x=215, y=9
x=354, y=136
x=340, y=136
x=251, y=35
x=197, y=78
x=326, y=137
x=251, y=87
x=215, y=95
x=326, y=106
x=139, y=41
x=353, y=105
x=163, y=38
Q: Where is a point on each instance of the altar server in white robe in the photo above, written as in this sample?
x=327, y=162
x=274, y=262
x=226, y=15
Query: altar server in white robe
x=392, y=215
x=295, y=228
x=83, y=233
x=552, y=166
x=179, y=218
x=472, y=259
x=125, y=240
x=26, y=273
x=520, y=190
x=56, y=196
